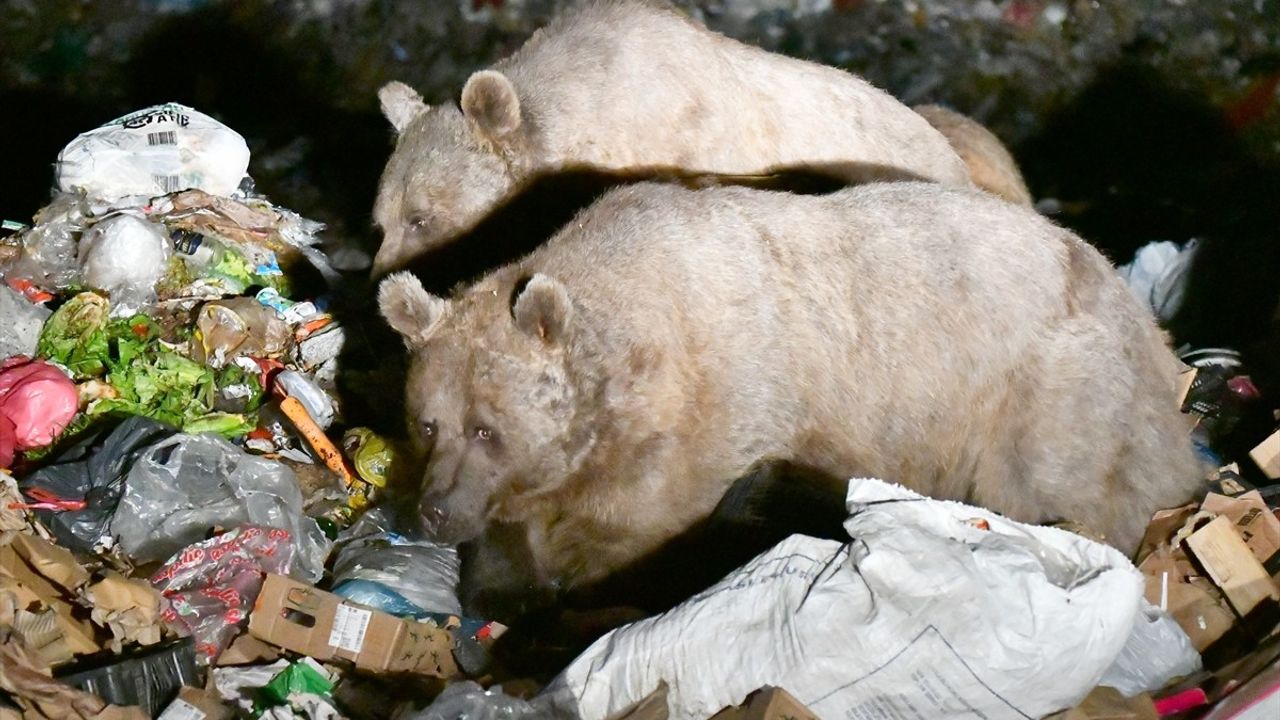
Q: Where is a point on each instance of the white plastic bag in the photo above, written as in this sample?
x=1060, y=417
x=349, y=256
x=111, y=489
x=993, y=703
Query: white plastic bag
x=126, y=256
x=934, y=610
x=155, y=151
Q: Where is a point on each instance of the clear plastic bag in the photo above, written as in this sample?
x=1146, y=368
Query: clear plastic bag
x=379, y=567
x=211, y=586
x=125, y=256
x=182, y=487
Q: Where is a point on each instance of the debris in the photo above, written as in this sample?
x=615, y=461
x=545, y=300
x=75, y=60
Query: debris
x=130, y=607
x=26, y=678
x=322, y=626
x=227, y=329
x=466, y=699
x=184, y=485
x=946, y=594
x=37, y=402
x=23, y=320
x=210, y=586
x=316, y=402
x=125, y=256
x=87, y=479
x=154, y=151
x=371, y=455
x=149, y=677
x=1158, y=276
x=377, y=567
x=196, y=704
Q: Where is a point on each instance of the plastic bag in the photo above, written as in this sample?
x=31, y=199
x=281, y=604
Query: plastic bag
x=1158, y=275
x=181, y=487
x=934, y=609
x=93, y=471
x=154, y=151
x=211, y=586
x=468, y=701
x=125, y=256
x=378, y=567
x=1157, y=651
x=37, y=401
x=316, y=401
x=22, y=322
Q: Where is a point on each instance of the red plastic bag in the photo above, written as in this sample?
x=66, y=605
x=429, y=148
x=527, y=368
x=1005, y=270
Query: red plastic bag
x=37, y=401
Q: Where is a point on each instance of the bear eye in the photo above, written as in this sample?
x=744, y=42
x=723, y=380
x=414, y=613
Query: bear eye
x=419, y=222
x=483, y=433
x=428, y=428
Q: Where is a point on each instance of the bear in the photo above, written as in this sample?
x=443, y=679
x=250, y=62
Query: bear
x=637, y=89
x=990, y=164
x=577, y=409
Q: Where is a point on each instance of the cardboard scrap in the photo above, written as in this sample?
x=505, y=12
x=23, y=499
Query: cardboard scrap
x=1105, y=703
x=197, y=704
x=768, y=703
x=323, y=626
x=129, y=607
x=25, y=676
x=1231, y=565
x=36, y=580
x=1267, y=456
x=247, y=650
x=11, y=518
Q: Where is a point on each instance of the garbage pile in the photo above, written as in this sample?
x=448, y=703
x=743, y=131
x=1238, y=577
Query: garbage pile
x=176, y=474
x=188, y=529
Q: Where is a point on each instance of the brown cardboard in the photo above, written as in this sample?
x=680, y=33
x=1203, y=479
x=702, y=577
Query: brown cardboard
x=1267, y=456
x=768, y=703
x=652, y=707
x=1186, y=379
x=324, y=626
x=1255, y=522
x=1196, y=605
x=1164, y=523
x=196, y=704
x=1231, y=565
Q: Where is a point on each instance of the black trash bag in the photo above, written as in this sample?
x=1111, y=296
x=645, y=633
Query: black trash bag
x=93, y=470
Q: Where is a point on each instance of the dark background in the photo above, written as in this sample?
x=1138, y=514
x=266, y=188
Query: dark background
x=1144, y=119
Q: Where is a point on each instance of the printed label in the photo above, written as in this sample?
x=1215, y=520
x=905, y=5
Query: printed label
x=349, y=626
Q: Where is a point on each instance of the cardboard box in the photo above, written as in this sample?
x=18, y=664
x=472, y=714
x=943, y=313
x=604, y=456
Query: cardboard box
x=768, y=703
x=1231, y=565
x=324, y=626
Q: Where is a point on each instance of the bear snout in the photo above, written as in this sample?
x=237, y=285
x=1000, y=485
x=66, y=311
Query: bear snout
x=445, y=522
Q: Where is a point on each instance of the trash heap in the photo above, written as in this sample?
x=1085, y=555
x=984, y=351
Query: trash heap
x=189, y=530
x=176, y=479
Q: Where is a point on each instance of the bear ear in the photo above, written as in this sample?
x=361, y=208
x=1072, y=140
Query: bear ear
x=489, y=101
x=401, y=104
x=408, y=308
x=541, y=307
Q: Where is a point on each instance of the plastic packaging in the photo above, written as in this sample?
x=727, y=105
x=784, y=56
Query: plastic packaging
x=468, y=701
x=370, y=454
x=154, y=151
x=48, y=258
x=93, y=471
x=938, y=606
x=378, y=567
x=150, y=679
x=1158, y=275
x=37, y=401
x=316, y=401
x=187, y=484
x=211, y=586
x=125, y=256
x=227, y=329
x=22, y=322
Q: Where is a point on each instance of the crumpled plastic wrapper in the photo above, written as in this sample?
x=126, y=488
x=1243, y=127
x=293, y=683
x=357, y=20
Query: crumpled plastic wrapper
x=129, y=607
x=210, y=587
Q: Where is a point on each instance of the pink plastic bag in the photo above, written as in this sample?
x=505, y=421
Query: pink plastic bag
x=36, y=403
x=211, y=586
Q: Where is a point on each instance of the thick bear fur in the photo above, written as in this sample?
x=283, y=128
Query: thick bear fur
x=597, y=398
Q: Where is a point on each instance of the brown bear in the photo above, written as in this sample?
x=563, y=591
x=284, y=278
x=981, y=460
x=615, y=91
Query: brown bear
x=598, y=397
x=635, y=88
x=991, y=166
